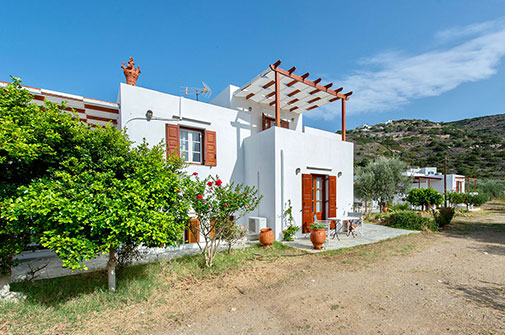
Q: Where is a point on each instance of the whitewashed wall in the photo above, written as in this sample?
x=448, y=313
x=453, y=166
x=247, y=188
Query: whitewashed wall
x=281, y=152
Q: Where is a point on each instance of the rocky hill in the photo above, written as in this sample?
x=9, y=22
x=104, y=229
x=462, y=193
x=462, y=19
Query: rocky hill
x=473, y=147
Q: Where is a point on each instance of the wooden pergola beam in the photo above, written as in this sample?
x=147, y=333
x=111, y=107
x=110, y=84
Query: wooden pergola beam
x=303, y=79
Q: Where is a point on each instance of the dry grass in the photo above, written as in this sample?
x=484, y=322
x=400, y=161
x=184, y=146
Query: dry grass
x=161, y=295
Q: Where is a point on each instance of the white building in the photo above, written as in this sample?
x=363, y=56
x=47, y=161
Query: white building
x=429, y=177
x=252, y=134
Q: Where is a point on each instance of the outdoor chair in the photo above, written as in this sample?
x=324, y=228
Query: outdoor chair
x=355, y=224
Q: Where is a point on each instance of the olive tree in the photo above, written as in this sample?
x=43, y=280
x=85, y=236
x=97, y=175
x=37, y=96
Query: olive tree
x=382, y=179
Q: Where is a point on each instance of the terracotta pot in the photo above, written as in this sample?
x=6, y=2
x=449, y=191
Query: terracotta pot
x=384, y=209
x=317, y=237
x=266, y=237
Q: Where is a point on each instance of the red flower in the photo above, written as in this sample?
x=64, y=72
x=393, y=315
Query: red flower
x=210, y=207
x=195, y=173
x=255, y=198
x=218, y=182
x=199, y=196
x=178, y=191
x=209, y=183
x=225, y=204
x=245, y=194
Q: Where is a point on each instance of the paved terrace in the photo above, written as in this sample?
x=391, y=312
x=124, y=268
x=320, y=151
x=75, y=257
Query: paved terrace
x=371, y=234
x=52, y=266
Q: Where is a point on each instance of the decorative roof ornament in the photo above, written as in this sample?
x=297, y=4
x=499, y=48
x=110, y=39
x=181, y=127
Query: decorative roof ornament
x=130, y=72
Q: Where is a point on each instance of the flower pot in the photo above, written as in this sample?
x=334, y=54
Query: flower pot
x=266, y=237
x=317, y=237
x=384, y=209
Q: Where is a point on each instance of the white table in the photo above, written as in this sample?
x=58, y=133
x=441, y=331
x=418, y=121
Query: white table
x=339, y=223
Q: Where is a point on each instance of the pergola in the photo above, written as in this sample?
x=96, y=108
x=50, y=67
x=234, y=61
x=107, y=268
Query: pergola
x=288, y=91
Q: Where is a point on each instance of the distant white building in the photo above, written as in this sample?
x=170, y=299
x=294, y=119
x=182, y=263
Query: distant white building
x=429, y=177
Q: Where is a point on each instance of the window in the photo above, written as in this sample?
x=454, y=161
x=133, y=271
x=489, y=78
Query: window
x=191, y=146
x=269, y=122
x=194, y=146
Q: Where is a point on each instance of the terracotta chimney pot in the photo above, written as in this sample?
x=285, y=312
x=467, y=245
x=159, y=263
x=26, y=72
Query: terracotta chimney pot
x=130, y=72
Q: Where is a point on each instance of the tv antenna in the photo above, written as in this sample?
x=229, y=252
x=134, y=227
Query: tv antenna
x=205, y=91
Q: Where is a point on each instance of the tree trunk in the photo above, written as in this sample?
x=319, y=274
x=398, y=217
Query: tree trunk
x=111, y=270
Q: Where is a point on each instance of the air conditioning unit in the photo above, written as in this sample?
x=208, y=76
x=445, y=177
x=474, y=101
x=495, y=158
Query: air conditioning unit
x=254, y=226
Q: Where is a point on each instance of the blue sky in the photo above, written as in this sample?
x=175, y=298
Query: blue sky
x=437, y=60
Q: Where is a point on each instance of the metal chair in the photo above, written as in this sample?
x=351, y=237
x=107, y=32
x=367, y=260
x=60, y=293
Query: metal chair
x=355, y=223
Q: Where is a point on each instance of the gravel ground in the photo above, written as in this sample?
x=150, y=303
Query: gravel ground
x=448, y=283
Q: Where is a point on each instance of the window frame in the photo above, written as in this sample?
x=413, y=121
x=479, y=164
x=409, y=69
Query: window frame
x=190, y=152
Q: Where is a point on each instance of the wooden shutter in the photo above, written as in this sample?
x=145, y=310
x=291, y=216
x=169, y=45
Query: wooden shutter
x=263, y=122
x=284, y=124
x=307, y=218
x=332, y=198
x=189, y=236
x=172, y=138
x=210, y=148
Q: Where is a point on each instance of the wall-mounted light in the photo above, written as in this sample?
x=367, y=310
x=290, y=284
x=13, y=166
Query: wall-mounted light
x=297, y=171
x=339, y=174
x=149, y=115
x=249, y=109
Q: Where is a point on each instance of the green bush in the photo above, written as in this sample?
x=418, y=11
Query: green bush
x=444, y=216
x=399, y=207
x=409, y=220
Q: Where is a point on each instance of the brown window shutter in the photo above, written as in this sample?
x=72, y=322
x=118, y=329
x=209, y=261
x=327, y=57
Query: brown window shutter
x=307, y=217
x=332, y=198
x=172, y=138
x=284, y=124
x=190, y=237
x=210, y=148
x=263, y=122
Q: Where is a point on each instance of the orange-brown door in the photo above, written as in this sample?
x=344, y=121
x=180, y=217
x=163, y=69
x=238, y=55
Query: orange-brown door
x=318, y=196
x=307, y=217
x=332, y=198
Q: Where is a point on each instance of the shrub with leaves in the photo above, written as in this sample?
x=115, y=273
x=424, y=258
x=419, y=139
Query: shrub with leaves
x=291, y=229
x=216, y=205
x=444, y=216
x=409, y=220
x=107, y=194
x=34, y=142
x=425, y=197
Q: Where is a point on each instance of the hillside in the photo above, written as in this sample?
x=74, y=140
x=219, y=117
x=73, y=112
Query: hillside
x=474, y=147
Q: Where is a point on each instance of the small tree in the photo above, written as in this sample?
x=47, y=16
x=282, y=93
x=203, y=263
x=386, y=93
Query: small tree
x=425, y=197
x=34, y=142
x=382, y=179
x=216, y=205
x=455, y=198
x=107, y=195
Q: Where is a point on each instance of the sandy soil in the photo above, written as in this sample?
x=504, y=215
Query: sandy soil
x=448, y=283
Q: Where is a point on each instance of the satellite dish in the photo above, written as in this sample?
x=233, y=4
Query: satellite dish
x=205, y=91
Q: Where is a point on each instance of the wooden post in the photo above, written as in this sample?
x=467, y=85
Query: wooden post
x=445, y=182
x=343, y=119
x=277, y=100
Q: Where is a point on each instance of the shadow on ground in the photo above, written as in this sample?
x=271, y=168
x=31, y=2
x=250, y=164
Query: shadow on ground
x=491, y=295
x=58, y=291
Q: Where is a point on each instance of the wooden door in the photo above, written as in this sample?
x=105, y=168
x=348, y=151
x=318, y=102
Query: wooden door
x=318, y=196
x=307, y=217
x=332, y=198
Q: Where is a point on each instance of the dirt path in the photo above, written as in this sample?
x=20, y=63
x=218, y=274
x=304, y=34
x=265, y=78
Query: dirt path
x=448, y=283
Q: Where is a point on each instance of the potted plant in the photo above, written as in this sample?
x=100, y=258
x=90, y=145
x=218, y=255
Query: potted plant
x=291, y=229
x=317, y=235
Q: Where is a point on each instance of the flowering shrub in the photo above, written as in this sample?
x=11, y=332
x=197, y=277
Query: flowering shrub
x=217, y=206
